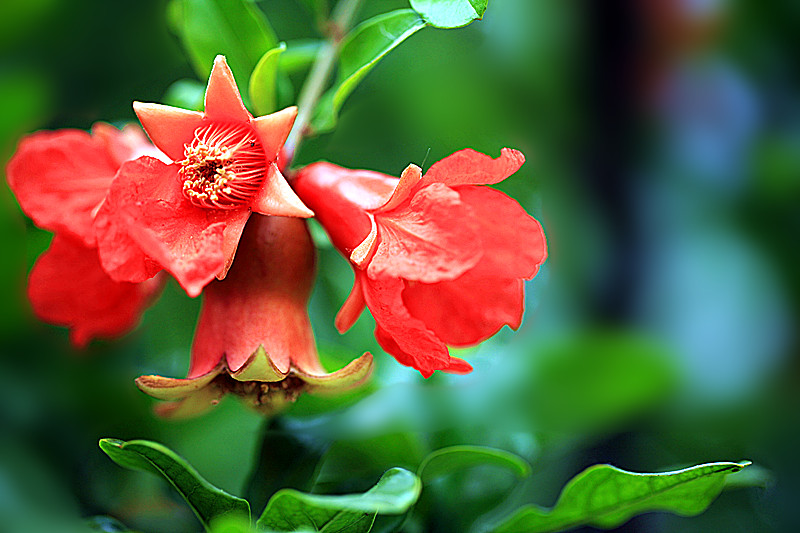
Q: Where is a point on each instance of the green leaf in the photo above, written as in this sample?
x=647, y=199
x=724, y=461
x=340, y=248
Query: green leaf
x=299, y=54
x=605, y=496
x=207, y=501
x=263, y=81
x=232, y=524
x=367, y=44
x=234, y=28
x=288, y=510
x=449, y=13
x=453, y=458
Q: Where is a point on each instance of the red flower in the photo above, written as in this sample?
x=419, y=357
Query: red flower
x=60, y=179
x=187, y=216
x=254, y=336
x=438, y=259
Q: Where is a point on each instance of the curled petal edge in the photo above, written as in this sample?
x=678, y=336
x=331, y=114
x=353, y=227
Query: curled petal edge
x=362, y=253
x=409, y=180
x=192, y=396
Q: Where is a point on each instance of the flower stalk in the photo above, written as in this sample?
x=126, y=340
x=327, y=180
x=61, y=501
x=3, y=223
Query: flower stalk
x=321, y=69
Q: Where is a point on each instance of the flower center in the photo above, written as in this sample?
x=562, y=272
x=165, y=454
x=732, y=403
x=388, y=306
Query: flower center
x=224, y=166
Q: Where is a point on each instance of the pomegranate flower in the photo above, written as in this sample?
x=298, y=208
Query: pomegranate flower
x=187, y=216
x=60, y=179
x=438, y=259
x=254, y=337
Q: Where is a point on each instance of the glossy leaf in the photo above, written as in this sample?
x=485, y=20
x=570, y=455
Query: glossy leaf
x=449, y=13
x=454, y=458
x=235, y=28
x=299, y=54
x=264, y=81
x=367, y=44
x=207, y=501
x=232, y=524
x=288, y=509
x=605, y=496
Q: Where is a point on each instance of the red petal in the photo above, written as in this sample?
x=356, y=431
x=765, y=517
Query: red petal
x=272, y=130
x=68, y=287
x=352, y=307
x=513, y=241
x=128, y=143
x=433, y=237
x=468, y=167
x=262, y=301
x=399, y=333
x=340, y=199
x=468, y=310
x=409, y=180
x=60, y=178
x=170, y=128
x=230, y=237
x=223, y=101
x=146, y=204
x=121, y=257
x=458, y=366
x=276, y=197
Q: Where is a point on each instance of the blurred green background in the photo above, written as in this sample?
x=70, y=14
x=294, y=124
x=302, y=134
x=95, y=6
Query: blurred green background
x=663, y=159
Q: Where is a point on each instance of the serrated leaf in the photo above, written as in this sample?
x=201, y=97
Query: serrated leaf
x=236, y=29
x=207, y=501
x=449, y=13
x=264, y=81
x=288, y=510
x=361, y=50
x=605, y=496
x=454, y=458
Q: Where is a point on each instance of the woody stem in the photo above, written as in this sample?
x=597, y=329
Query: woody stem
x=320, y=72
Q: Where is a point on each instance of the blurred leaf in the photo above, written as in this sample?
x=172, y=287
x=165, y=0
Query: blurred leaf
x=264, y=81
x=106, y=524
x=206, y=500
x=605, y=496
x=285, y=461
x=367, y=44
x=232, y=524
x=589, y=383
x=752, y=476
x=350, y=459
x=234, y=28
x=299, y=54
x=313, y=405
x=395, y=493
x=453, y=458
x=187, y=94
x=318, y=8
x=449, y=13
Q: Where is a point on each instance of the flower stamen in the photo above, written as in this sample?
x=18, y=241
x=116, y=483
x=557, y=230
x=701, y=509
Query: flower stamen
x=224, y=166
